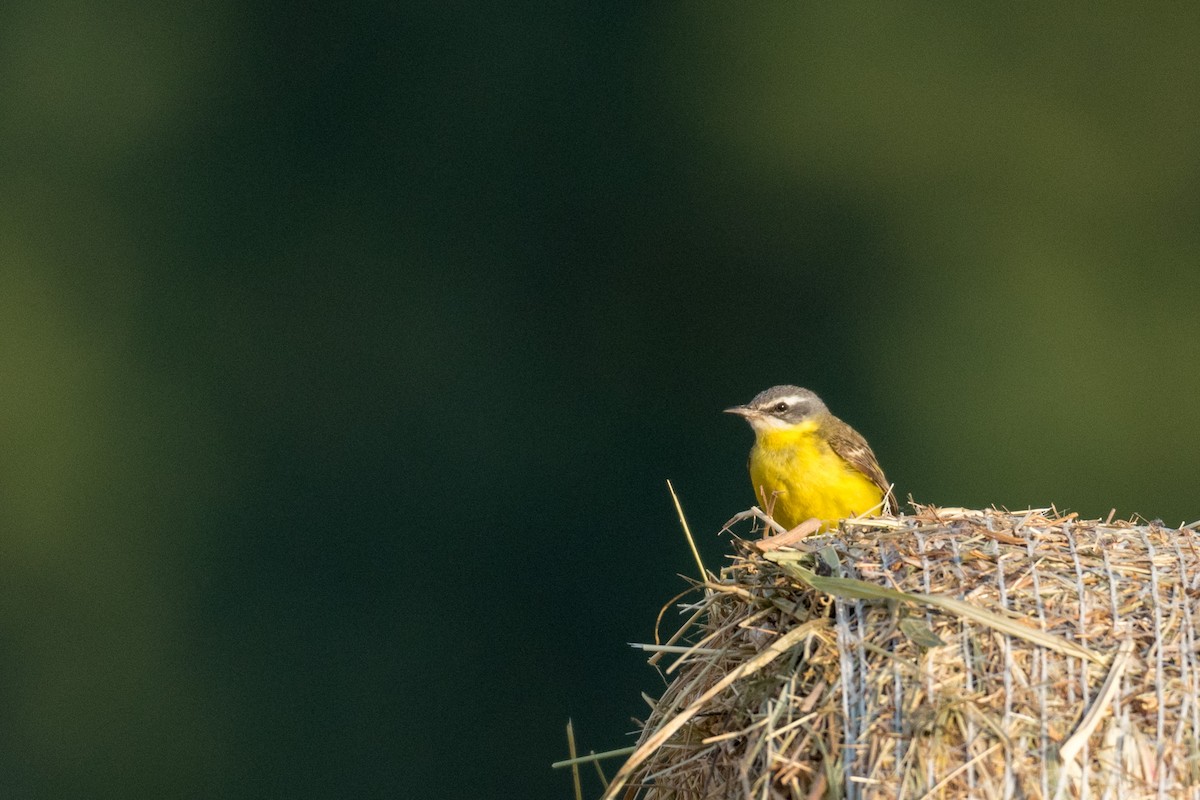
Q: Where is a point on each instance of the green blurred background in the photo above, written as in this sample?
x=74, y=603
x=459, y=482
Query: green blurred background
x=346, y=350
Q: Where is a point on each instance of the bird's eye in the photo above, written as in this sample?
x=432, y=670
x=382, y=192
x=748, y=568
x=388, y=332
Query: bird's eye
x=781, y=407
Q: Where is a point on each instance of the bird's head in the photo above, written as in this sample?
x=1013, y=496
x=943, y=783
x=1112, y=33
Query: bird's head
x=779, y=408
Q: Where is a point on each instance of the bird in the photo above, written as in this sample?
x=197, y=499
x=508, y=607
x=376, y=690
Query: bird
x=806, y=463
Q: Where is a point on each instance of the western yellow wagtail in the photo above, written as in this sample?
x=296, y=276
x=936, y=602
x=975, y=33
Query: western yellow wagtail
x=807, y=463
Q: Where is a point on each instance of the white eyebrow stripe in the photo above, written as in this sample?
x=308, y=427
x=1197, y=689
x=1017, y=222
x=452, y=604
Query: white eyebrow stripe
x=791, y=400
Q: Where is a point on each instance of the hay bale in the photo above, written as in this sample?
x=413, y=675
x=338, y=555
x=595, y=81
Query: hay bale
x=953, y=653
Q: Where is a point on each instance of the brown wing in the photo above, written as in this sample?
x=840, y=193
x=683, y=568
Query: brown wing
x=854, y=450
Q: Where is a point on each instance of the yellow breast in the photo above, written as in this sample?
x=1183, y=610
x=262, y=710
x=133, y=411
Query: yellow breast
x=797, y=476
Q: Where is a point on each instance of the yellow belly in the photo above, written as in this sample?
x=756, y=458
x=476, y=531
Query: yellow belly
x=797, y=476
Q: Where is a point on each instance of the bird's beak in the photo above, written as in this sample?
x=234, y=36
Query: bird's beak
x=742, y=411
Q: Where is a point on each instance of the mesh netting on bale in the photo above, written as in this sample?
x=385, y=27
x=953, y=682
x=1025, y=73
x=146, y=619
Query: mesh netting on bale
x=952, y=653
